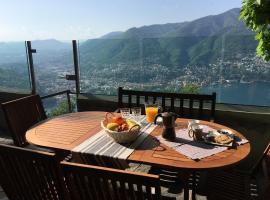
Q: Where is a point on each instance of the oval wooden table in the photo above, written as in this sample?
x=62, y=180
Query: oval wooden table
x=67, y=131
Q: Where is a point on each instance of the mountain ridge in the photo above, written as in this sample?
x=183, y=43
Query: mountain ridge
x=186, y=28
x=199, y=41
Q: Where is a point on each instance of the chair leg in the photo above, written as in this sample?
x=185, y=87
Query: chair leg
x=193, y=185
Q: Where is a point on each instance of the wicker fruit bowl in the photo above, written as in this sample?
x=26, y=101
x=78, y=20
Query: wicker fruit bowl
x=120, y=129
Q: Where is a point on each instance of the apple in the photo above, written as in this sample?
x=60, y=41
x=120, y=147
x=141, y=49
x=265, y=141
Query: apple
x=117, y=119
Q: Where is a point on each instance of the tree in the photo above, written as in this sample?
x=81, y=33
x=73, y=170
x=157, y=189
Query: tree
x=191, y=88
x=256, y=15
x=61, y=109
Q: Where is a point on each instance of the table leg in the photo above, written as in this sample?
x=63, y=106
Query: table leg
x=184, y=176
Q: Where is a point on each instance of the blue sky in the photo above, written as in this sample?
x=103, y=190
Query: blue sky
x=84, y=19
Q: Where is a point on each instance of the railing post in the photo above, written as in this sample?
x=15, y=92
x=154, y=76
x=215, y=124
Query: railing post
x=120, y=97
x=69, y=102
x=76, y=66
x=30, y=51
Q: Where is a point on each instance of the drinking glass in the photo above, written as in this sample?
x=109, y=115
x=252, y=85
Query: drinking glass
x=136, y=113
x=151, y=111
x=125, y=112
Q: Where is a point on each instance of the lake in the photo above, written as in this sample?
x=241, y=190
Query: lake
x=257, y=93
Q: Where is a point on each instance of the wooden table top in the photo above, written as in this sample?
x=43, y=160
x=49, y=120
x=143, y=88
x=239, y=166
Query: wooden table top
x=67, y=131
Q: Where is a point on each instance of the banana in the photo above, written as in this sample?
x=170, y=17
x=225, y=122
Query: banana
x=112, y=126
x=130, y=123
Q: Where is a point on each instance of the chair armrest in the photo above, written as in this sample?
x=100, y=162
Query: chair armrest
x=68, y=158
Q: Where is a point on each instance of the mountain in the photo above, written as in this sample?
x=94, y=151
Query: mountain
x=50, y=45
x=206, y=26
x=225, y=23
x=15, y=51
x=201, y=41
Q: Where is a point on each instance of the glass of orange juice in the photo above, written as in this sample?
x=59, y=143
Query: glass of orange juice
x=151, y=111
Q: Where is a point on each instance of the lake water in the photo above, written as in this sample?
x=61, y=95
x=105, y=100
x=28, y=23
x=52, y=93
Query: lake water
x=257, y=93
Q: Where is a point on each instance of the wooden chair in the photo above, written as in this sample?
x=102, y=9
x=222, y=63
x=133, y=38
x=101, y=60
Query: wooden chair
x=199, y=106
x=21, y=114
x=236, y=183
x=30, y=175
x=94, y=182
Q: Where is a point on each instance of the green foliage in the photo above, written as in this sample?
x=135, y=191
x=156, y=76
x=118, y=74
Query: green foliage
x=256, y=15
x=174, y=51
x=199, y=42
x=191, y=88
x=61, y=109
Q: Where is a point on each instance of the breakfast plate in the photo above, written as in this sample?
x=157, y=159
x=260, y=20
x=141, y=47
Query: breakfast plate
x=222, y=137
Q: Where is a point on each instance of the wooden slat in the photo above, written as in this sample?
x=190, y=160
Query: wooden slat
x=92, y=187
x=172, y=104
x=140, y=192
x=129, y=100
x=154, y=99
x=181, y=107
x=191, y=108
x=123, y=190
x=13, y=169
x=107, y=189
x=157, y=191
x=99, y=187
x=69, y=183
x=79, y=186
x=163, y=103
x=131, y=190
x=149, y=193
x=146, y=98
x=137, y=100
x=115, y=189
x=200, y=109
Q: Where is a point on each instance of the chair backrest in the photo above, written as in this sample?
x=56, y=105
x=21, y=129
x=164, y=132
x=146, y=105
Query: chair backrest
x=21, y=114
x=94, y=182
x=200, y=106
x=29, y=175
x=262, y=158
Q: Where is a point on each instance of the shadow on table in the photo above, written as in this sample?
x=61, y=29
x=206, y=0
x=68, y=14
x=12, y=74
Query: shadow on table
x=182, y=141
